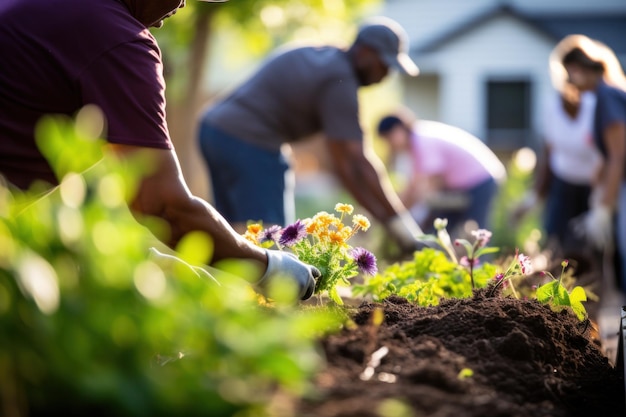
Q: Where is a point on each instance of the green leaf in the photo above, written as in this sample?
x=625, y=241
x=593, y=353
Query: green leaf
x=547, y=292
x=576, y=297
x=334, y=295
x=485, y=250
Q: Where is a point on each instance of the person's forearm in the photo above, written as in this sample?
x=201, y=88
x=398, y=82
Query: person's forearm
x=612, y=180
x=615, y=143
x=372, y=189
x=544, y=174
x=414, y=192
x=164, y=195
x=200, y=216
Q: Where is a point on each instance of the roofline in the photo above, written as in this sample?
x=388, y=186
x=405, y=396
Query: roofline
x=458, y=30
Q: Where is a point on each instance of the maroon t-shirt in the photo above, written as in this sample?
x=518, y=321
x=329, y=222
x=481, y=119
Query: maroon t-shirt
x=57, y=56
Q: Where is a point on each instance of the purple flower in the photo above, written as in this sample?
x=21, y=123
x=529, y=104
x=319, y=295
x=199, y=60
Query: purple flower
x=271, y=234
x=499, y=277
x=365, y=260
x=293, y=234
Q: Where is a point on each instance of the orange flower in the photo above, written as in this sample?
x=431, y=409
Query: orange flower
x=344, y=208
x=361, y=222
x=337, y=237
x=255, y=228
x=250, y=237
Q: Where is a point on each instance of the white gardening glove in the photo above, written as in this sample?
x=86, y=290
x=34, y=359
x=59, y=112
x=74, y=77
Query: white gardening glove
x=406, y=232
x=287, y=264
x=596, y=225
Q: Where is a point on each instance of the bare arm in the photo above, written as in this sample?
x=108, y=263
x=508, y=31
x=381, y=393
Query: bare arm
x=544, y=174
x=364, y=176
x=615, y=143
x=416, y=191
x=164, y=194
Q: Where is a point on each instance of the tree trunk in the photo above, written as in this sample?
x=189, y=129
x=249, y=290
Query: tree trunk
x=184, y=115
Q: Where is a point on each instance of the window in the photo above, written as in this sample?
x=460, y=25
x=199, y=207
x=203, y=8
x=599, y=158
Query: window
x=508, y=114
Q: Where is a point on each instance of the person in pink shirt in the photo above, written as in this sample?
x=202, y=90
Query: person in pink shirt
x=451, y=174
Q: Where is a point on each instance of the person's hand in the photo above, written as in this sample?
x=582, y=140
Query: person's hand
x=596, y=225
x=287, y=264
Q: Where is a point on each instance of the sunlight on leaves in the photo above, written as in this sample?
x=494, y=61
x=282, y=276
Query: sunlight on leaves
x=73, y=190
x=150, y=280
x=196, y=248
x=111, y=190
x=71, y=226
x=39, y=280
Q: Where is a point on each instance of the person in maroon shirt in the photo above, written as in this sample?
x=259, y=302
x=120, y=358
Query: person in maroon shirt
x=60, y=55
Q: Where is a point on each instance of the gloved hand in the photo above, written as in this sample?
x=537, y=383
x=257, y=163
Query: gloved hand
x=407, y=233
x=596, y=225
x=281, y=263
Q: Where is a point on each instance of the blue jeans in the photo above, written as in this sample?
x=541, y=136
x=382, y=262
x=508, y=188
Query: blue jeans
x=248, y=183
x=565, y=201
x=621, y=236
x=478, y=209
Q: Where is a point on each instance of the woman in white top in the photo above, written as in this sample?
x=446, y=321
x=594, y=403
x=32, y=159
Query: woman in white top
x=570, y=162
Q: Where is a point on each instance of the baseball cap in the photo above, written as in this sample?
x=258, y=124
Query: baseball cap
x=390, y=40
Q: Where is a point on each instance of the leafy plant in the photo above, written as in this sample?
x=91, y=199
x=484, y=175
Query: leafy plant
x=322, y=241
x=94, y=322
x=434, y=274
x=556, y=295
x=430, y=276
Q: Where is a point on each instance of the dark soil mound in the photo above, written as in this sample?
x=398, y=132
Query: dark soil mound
x=526, y=360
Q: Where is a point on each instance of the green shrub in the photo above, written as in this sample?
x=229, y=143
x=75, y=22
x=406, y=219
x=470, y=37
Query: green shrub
x=92, y=322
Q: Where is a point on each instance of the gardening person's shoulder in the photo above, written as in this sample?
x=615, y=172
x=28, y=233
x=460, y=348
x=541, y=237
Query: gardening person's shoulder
x=309, y=68
x=297, y=92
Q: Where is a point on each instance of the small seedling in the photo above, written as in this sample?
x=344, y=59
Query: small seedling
x=465, y=373
x=556, y=295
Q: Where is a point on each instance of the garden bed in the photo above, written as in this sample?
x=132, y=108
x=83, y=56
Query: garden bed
x=479, y=356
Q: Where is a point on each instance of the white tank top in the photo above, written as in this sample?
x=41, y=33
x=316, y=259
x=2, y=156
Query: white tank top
x=573, y=157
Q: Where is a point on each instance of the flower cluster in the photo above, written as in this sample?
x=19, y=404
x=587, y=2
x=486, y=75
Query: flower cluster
x=322, y=241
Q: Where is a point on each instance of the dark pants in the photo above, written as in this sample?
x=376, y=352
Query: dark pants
x=565, y=201
x=480, y=198
x=248, y=183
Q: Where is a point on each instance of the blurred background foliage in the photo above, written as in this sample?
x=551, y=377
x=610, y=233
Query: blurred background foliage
x=95, y=322
x=525, y=234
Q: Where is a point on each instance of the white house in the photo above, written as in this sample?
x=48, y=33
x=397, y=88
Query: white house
x=484, y=63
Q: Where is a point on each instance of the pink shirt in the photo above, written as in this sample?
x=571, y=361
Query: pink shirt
x=462, y=159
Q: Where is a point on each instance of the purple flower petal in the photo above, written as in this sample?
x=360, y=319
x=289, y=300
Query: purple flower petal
x=365, y=260
x=293, y=234
x=272, y=234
